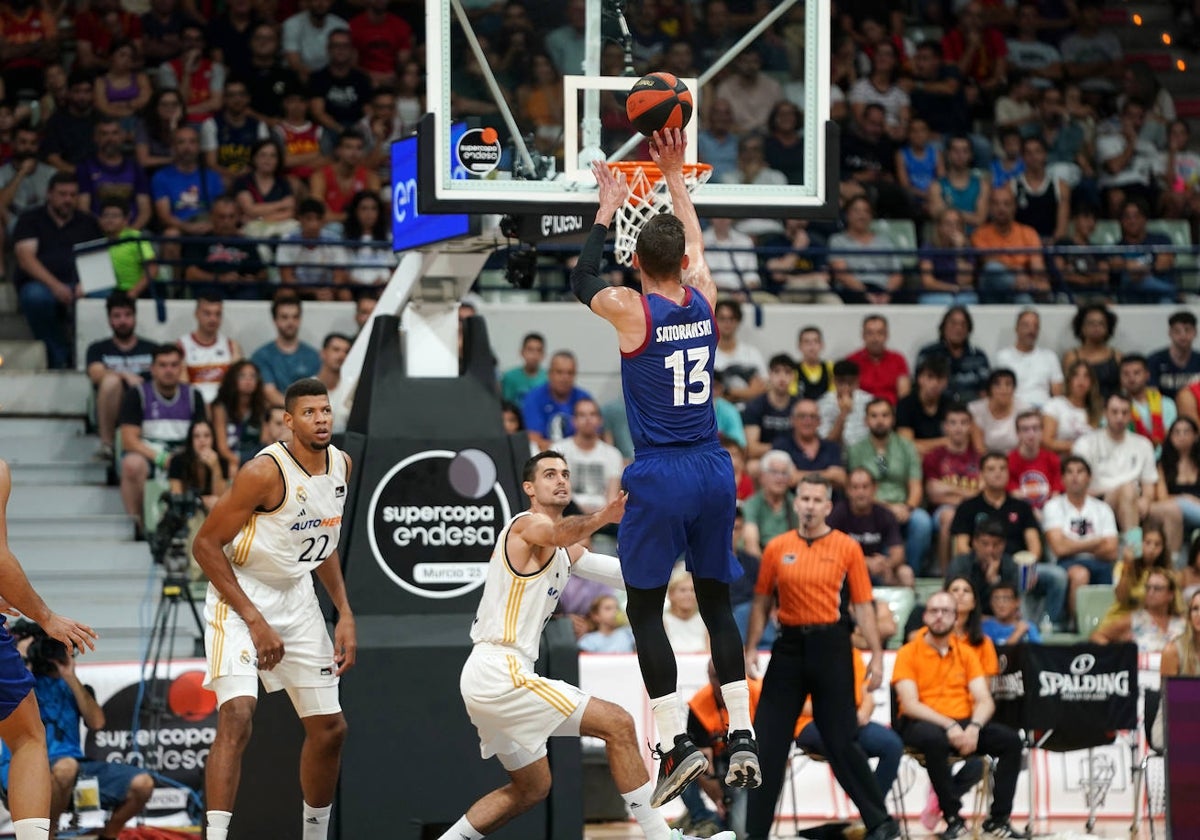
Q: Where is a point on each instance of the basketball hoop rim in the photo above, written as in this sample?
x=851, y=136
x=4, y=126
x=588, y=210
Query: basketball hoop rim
x=643, y=175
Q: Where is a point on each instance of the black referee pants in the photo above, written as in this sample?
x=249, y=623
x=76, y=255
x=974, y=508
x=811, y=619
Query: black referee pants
x=812, y=660
x=995, y=739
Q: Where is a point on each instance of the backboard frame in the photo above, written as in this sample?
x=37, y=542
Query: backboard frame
x=575, y=193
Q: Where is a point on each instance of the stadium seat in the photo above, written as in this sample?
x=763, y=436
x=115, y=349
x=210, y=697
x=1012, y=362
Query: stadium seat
x=903, y=234
x=1091, y=605
x=1180, y=233
x=925, y=587
x=1107, y=232
x=901, y=600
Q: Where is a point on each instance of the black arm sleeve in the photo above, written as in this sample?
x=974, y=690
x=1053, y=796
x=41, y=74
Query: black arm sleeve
x=585, y=277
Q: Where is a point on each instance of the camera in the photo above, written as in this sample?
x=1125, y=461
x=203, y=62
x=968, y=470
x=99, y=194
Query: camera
x=169, y=542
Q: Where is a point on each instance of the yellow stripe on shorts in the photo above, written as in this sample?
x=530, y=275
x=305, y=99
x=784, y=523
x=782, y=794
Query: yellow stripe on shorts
x=551, y=695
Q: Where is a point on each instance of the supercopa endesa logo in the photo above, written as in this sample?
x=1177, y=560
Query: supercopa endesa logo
x=434, y=518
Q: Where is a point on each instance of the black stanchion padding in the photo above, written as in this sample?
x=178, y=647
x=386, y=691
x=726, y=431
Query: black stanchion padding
x=269, y=802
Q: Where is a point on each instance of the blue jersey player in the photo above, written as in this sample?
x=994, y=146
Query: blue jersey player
x=681, y=494
x=20, y=720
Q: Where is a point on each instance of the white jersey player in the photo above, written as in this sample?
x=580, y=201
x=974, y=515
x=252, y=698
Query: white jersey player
x=280, y=521
x=514, y=709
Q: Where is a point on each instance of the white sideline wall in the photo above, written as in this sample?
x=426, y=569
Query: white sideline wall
x=570, y=326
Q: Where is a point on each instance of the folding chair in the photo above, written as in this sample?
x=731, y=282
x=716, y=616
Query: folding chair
x=979, y=802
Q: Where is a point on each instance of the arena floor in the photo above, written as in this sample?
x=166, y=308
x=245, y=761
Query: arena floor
x=1059, y=829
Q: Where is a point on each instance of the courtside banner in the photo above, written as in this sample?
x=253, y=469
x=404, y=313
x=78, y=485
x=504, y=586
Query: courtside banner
x=1081, y=688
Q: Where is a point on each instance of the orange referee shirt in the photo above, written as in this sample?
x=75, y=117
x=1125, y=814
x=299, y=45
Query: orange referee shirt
x=808, y=576
x=941, y=680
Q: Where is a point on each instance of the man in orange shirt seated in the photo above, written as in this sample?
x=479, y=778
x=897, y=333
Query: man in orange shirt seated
x=946, y=710
x=1008, y=277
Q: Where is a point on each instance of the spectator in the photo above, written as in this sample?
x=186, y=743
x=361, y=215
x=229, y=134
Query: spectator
x=24, y=180
x=881, y=372
x=238, y=413
x=945, y=706
x=968, y=364
x=333, y=355
x=920, y=415
x=264, y=195
x=1127, y=161
x=1069, y=417
x=1177, y=494
x=207, y=352
x=752, y=168
x=1068, y=148
x=844, y=409
x=783, y=147
x=306, y=38
x=162, y=32
x=65, y=704
x=894, y=464
x=1005, y=626
x=1043, y=199
x=229, y=136
x=1154, y=625
x=968, y=623
x=769, y=512
x=981, y=55
x=198, y=78
x=739, y=362
x=199, y=468
x=874, y=527
x=1081, y=530
x=741, y=479
x=1006, y=276
x=936, y=92
x=131, y=253
x=868, y=163
x=68, y=137
x=1175, y=366
x=767, y=416
x=30, y=42
x=863, y=264
x=918, y=164
x=1178, y=175
x=994, y=500
x=682, y=621
x=808, y=452
x=275, y=430
x=225, y=264
x=1133, y=571
x=383, y=41
x=565, y=44
x=1179, y=658
x=286, y=359
x=1027, y=52
x=947, y=269
x=1189, y=575
x=98, y=27
x=879, y=87
x=1034, y=472
x=1094, y=325
x=268, y=78
x=1014, y=110
x=1037, y=370
x=539, y=104
x=1143, y=270
x=549, y=408
x=114, y=365
x=364, y=307
x=814, y=375
x=1152, y=412
x=607, y=636
x=750, y=92
x=961, y=188
x=596, y=466
x=111, y=173
x=995, y=413
x=381, y=126
x=184, y=191
x=123, y=90
x=155, y=134
x=1122, y=464
x=520, y=380
x=951, y=475
x=339, y=91
x=717, y=144
x=47, y=284
x=1084, y=273
x=154, y=422
x=1092, y=55
x=309, y=259
x=232, y=35
x=731, y=258
x=337, y=183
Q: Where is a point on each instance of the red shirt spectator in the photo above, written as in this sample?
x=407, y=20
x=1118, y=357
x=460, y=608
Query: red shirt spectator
x=958, y=468
x=881, y=372
x=99, y=26
x=1035, y=479
x=383, y=40
x=981, y=59
x=25, y=28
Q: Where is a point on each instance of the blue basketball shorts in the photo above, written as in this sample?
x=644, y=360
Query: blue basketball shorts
x=15, y=679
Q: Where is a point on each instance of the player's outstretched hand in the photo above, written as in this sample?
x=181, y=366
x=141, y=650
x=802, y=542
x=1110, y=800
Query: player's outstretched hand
x=267, y=644
x=614, y=191
x=8, y=609
x=345, y=643
x=666, y=150
x=77, y=637
x=614, y=510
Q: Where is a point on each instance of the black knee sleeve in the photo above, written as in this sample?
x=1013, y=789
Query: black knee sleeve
x=655, y=656
x=724, y=638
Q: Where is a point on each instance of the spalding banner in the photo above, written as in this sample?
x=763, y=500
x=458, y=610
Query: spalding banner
x=434, y=518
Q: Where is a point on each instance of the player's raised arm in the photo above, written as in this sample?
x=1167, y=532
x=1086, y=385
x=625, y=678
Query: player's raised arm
x=666, y=150
x=618, y=305
x=540, y=530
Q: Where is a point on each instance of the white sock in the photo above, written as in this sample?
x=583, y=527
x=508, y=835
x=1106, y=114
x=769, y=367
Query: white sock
x=462, y=830
x=651, y=821
x=218, y=825
x=34, y=828
x=737, y=703
x=668, y=718
x=316, y=822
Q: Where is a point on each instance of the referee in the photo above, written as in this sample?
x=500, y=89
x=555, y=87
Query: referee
x=812, y=654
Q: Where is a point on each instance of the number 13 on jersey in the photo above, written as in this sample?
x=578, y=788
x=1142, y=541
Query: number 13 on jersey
x=697, y=374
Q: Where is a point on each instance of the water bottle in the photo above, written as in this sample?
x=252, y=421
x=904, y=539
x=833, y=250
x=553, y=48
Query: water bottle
x=1045, y=626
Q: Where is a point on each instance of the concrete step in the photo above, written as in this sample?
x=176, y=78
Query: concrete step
x=85, y=471
x=31, y=450
x=22, y=353
x=14, y=327
x=62, y=502
x=43, y=394
x=14, y=429
x=102, y=529
x=63, y=557
x=8, y=298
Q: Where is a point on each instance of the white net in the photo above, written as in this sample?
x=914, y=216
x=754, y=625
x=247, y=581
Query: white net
x=648, y=197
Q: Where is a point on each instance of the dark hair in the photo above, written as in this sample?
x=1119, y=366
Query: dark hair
x=661, y=246
x=990, y=526
x=974, y=624
x=1170, y=458
x=113, y=201
x=810, y=329
x=352, y=228
x=60, y=178
x=876, y=401
x=207, y=294
x=933, y=46
x=228, y=396
x=781, y=360
x=874, y=316
x=310, y=386
x=1002, y=586
x=531, y=466
x=258, y=146
x=992, y=455
x=349, y=133
x=1134, y=359
x=1009, y=131
x=119, y=299
x=845, y=369
x=285, y=298
x=1088, y=308
x=80, y=76
x=937, y=366
x=1026, y=414
x=156, y=128
x=1034, y=138
x=1153, y=526
x=533, y=336
x=104, y=119
x=1075, y=459
x=734, y=307
x=196, y=474
x=1117, y=395
x=25, y=125
x=165, y=350
x=959, y=308
x=334, y=336
x=956, y=407
x=1137, y=202
x=860, y=471
x=774, y=115
x=513, y=408
x=311, y=206
x=996, y=374
x=1183, y=316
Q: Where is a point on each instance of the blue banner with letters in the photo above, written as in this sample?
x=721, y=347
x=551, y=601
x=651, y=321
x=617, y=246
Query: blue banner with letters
x=409, y=228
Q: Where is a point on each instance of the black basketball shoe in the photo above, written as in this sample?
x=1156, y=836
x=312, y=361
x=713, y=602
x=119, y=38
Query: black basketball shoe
x=743, y=760
x=676, y=769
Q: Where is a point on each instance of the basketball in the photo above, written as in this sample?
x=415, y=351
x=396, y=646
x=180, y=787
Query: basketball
x=658, y=101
